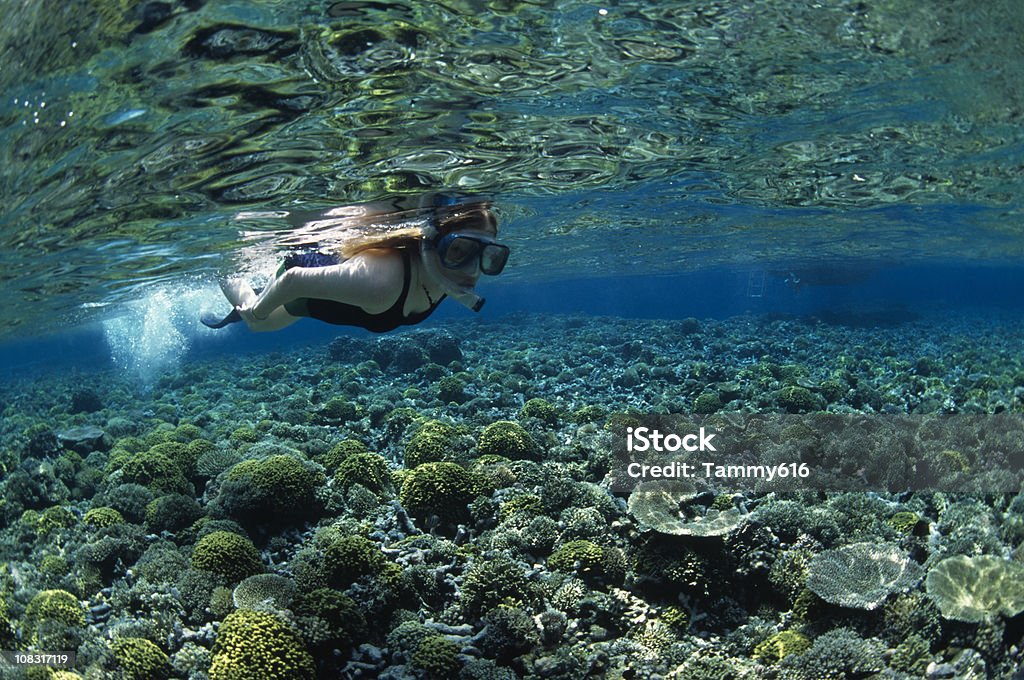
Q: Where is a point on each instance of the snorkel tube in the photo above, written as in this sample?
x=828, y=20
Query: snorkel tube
x=464, y=295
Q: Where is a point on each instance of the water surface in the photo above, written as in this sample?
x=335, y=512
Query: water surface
x=634, y=137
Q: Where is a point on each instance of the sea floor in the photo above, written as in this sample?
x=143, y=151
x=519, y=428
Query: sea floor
x=437, y=503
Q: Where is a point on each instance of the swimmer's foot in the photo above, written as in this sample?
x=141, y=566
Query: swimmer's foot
x=239, y=293
x=211, y=321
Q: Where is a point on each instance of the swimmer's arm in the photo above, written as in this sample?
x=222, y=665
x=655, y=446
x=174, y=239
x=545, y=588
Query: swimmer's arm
x=371, y=280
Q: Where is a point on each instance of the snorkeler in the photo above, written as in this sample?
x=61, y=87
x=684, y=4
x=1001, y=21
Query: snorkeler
x=382, y=281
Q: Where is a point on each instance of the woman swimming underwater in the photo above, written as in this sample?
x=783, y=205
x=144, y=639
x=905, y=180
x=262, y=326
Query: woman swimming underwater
x=383, y=279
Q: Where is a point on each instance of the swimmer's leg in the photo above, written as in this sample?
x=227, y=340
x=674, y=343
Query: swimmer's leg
x=243, y=298
x=278, y=319
x=239, y=293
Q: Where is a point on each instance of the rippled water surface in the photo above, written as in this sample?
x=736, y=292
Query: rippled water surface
x=629, y=136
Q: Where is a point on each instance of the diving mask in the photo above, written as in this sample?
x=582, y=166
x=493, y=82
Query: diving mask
x=458, y=251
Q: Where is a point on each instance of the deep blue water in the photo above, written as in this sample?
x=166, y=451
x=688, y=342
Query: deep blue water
x=877, y=297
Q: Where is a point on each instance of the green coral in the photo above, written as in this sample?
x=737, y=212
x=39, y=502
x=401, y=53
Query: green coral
x=55, y=606
x=508, y=632
x=582, y=556
x=707, y=402
x=676, y=566
x=438, y=656
x=102, y=517
x=368, y=469
x=340, y=618
x=407, y=636
x=339, y=452
x=172, y=512
x=807, y=606
x=254, y=645
x=54, y=567
x=182, y=455
x=905, y=522
x=213, y=462
x=796, y=399
x=198, y=448
x=53, y=617
x=676, y=618
x=833, y=390
x=222, y=602
x=781, y=645
x=442, y=489
x=244, y=435
x=974, y=589
x=494, y=582
x=912, y=614
x=955, y=460
x=338, y=410
x=139, y=659
x=272, y=490
x=587, y=414
x=56, y=517
x=186, y=432
x=350, y=557
x=723, y=502
x=528, y=504
x=839, y=653
x=6, y=630
x=452, y=389
x=156, y=471
x=431, y=443
x=788, y=573
x=912, y=655
x=509, y=439
x=541, y=409
x=590, y=561
x=227, y=554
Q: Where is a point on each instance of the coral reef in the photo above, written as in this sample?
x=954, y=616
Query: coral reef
x=227, y=554
x=253, y=645
x=446, y=505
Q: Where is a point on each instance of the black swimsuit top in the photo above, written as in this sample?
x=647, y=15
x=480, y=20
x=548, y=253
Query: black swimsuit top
x=342, y=314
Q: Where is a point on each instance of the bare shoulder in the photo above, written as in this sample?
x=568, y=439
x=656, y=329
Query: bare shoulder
x=378, y=257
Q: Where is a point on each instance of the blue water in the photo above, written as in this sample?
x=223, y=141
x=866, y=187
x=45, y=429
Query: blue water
x=886, y=295
x=618, y=141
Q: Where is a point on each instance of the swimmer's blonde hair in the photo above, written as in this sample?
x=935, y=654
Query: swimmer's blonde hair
x=402, y=238
x=392, y=229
